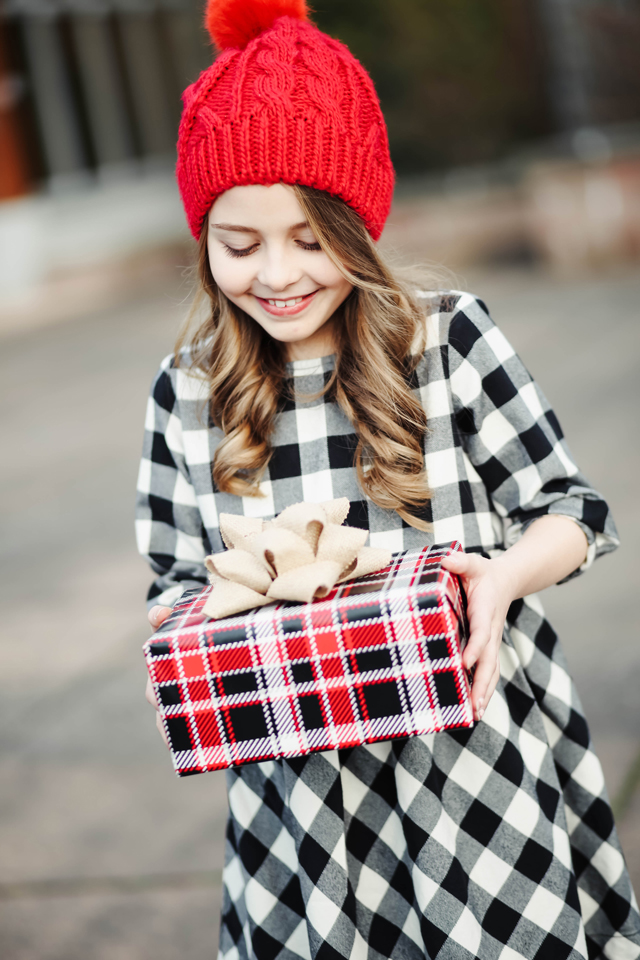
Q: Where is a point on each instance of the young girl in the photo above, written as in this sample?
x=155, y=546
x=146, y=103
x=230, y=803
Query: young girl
x=319, y=374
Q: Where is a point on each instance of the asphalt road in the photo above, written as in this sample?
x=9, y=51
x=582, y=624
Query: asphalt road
x=105, y=855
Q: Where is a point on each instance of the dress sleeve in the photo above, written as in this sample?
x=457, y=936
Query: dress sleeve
x=169, y=529
x=512, y=436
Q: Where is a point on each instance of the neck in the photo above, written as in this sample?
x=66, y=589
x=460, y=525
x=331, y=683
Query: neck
x=320, y=344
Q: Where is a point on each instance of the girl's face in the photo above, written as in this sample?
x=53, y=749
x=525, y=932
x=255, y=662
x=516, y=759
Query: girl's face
x=266, y=260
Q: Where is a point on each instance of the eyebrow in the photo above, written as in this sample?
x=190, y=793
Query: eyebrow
x=236, y=228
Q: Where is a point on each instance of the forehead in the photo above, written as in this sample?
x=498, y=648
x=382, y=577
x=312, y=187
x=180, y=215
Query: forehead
x=259, y=207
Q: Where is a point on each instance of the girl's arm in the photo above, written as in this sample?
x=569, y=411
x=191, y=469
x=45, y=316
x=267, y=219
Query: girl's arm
x=550, y=549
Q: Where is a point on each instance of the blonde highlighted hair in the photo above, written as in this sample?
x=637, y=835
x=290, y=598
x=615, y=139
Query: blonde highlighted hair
x=380, y=334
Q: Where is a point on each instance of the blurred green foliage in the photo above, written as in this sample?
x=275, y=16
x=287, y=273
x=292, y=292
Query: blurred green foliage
x=461, y=81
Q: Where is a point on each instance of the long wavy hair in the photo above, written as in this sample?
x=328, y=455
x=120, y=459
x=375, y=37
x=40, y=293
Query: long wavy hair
x=380, y=336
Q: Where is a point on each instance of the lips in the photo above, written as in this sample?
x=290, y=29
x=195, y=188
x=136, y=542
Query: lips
x=290, y=306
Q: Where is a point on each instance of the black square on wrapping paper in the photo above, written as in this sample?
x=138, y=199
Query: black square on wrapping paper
x=373, y=660
x=179, y=733
x=170, y=695
x=159, y=649
x=373, y=586
x=438, y=649
x=285, y=462
x=311, y=712
x=382, y=700
x=248, y=722
x=446, y=689
x=302, y=672
x=239, y=683
x=292, y=625
x=341, y=450
x=234, y=635
x=427, y=601
x=429, y=576
x=370, y=612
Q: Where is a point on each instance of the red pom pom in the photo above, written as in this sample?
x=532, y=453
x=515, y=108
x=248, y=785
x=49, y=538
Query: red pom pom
x=233, y=23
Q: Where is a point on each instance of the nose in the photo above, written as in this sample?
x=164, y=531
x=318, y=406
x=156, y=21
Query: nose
x=278, y=269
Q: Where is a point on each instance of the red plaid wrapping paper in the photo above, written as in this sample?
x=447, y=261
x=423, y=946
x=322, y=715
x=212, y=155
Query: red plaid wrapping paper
x=378, y=658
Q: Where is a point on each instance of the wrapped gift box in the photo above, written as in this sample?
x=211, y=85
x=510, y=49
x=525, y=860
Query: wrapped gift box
x=378, y=658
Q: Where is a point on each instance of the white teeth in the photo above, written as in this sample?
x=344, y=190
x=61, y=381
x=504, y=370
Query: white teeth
x=285, y=303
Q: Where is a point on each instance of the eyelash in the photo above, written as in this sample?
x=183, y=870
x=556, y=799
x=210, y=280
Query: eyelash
x=247, y=251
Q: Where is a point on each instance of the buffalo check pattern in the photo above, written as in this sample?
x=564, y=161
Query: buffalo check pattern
x=380, y=657
x=494, y=842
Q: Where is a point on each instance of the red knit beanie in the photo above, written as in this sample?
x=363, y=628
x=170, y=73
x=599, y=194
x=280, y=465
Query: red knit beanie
x=286, y=103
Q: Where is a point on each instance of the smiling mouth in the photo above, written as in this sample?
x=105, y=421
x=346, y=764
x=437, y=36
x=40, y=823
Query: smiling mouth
x=286, y=308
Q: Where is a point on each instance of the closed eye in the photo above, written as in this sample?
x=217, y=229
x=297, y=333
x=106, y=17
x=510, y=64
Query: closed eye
x=233, y=252
x=247, y=251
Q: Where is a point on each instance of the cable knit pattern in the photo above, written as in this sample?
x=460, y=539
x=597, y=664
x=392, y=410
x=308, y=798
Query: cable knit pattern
x=293, y=106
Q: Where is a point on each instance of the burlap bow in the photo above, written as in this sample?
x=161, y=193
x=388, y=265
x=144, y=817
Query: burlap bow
x=301, y=555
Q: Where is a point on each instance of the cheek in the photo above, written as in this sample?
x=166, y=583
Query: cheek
x=327, y=275
x=233, y=276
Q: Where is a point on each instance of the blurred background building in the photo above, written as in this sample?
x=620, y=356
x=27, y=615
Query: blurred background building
x=529, y=109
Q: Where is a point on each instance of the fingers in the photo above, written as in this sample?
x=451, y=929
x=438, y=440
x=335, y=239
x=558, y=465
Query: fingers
x=160, y=726
x=150, y=694
x=481, y=612
x=151, y=697
x=158, y=615
x=485, y=678
x=463, y=564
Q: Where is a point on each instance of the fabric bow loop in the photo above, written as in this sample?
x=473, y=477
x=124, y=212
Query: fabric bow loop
x=300, y=556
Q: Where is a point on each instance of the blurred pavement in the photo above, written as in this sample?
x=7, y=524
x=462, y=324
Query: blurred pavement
x=88, y=790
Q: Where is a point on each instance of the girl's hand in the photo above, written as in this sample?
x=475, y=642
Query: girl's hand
x=489, y=594
x=548, y=551
x=157, y=615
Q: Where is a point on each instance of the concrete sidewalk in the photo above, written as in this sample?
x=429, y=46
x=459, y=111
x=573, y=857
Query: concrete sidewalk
x=88, y=790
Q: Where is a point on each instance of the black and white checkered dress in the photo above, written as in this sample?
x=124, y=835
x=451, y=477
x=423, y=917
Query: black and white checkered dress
x=495, y=842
